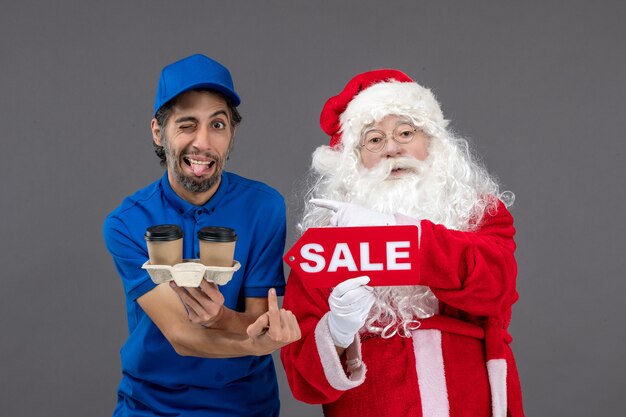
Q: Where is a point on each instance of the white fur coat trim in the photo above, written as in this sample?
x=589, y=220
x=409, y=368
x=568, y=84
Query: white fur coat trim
x=496, y=368
x=333, y=369
x=431, y=373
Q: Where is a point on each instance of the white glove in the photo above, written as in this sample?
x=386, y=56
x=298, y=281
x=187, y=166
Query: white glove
x=350, y=303
x=348, y=214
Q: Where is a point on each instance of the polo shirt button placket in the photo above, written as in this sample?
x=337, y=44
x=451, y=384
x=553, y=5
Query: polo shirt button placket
x=197, y=217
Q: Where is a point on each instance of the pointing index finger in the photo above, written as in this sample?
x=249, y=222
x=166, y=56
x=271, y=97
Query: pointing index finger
x=328, y=204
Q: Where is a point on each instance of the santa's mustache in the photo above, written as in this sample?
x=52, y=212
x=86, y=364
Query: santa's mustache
x=385, y=167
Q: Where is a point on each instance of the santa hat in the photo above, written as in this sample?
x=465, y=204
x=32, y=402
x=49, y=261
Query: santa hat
x=372, y=95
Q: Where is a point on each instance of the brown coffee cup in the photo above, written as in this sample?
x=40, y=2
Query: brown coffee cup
x=165, y=244
x=217, y=246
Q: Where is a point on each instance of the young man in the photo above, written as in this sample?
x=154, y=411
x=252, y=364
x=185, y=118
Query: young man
x=201, y=351
x=435, y=348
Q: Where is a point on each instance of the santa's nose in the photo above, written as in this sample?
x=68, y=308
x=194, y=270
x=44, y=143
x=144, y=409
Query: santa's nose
x=392, y=148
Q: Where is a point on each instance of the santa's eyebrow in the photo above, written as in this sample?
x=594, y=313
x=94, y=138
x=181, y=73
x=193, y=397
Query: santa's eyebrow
x=404, y=121
x=371, y=129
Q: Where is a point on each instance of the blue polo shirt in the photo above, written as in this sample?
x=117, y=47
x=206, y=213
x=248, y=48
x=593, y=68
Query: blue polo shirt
x=156, y=380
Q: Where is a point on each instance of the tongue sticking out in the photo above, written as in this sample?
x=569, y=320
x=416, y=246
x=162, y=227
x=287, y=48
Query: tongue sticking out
x=200, y=169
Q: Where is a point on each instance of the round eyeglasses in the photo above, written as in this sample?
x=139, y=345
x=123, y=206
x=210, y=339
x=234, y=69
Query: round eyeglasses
x=375, y=140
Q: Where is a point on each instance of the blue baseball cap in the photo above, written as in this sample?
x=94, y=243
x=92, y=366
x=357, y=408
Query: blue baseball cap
x=195, y=71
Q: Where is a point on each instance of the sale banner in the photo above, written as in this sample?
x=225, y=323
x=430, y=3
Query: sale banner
x=325, y=256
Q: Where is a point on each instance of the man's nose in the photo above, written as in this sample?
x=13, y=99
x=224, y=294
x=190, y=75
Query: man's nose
x=203, y=139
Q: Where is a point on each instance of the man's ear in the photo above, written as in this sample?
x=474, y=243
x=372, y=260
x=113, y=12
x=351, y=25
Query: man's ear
x=156, y=132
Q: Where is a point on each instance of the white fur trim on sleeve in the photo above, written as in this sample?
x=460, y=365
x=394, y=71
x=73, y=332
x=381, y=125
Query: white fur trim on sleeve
x=333, y=369
x=496, y=369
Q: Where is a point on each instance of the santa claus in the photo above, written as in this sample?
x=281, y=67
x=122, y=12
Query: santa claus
x=439, y=347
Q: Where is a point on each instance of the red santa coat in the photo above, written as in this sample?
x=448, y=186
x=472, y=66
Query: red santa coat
x=458, y=363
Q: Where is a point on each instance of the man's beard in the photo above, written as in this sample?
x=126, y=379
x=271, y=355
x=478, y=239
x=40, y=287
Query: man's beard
x=191, y=183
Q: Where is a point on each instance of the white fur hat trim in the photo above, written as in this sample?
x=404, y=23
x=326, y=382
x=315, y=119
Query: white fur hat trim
x=393, y=97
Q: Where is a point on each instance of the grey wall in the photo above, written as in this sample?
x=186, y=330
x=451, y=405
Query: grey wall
x=538, y=87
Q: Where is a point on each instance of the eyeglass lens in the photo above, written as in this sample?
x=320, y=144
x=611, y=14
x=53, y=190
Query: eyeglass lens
x=375, y=140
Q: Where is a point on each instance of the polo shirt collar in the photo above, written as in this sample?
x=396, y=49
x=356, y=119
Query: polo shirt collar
x=183, y=205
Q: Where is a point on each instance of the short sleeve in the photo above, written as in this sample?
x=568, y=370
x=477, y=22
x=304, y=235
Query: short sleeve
x=128, y=257
x=265, y=266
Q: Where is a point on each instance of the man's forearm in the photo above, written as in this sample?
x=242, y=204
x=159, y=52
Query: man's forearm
x=194, y=340
x=236, y=322
x=226, y=338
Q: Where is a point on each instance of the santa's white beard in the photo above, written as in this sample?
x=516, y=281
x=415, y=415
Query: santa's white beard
x=379, y=190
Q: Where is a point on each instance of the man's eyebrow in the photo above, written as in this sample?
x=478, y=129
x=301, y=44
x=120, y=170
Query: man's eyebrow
x=219, y=112
x=183, y=119
x=193, y=119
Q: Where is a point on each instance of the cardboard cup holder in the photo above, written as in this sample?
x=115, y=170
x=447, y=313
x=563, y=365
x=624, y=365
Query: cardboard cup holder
x=190, y=273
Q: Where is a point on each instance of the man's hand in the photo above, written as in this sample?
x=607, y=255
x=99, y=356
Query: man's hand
x=348, y=214
x=205, y=304
x=273, y=329
x=350, y=303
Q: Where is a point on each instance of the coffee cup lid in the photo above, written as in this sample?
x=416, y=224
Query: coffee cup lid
x=217, y=234
x=163, y=233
